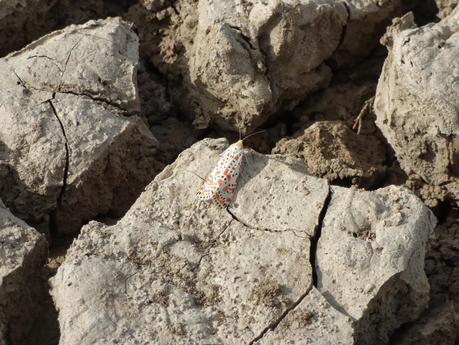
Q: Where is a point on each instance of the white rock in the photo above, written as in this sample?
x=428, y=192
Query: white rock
x=417, y=99
x=312, y=322
x=178, y=270
x=23, y=252
x=68, y=151
x=370, y=258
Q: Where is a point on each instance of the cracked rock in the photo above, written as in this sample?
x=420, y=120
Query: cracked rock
x=437, y=325
x=176, y=270
x=370, y=259
x=417, y=100
x=366, y=22
x=68, y=150
x=241, y=62
x=23, y=252
x=179, y=270
x=313, y=322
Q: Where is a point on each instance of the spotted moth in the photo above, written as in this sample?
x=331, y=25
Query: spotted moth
x=221, y=183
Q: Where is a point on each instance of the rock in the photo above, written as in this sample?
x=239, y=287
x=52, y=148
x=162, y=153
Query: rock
x=235, y=64
x=417, y=103
x=23, y=252
x=445, y=7
x=178, y=270
x=69, y=149
x=438, y=324
x=313, y=322
x=22, y=21
x=242, y=62
x=370, y=259
x=187, y=271
x=366, y=22
x=332, y=150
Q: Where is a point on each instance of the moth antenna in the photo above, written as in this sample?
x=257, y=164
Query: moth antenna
x=252, y=134
x=191, y=172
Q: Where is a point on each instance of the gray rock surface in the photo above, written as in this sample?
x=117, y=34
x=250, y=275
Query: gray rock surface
x=270, y=53
x=234, y=63
x=68, y=148
x=313, y=322
x=189, y=271
x=445, y=7
x=23, y=252
x=438, y=324
x=417, y=103
x=370, y=258
x=178, y=270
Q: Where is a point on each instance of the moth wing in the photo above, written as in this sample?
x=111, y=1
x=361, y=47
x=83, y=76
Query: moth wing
x=205, y=192
x=225, y=191
x=208, y=186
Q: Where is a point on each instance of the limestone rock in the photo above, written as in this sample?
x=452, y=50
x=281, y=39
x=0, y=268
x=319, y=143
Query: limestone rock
x=366, y=22
x=438, y=324
x=312, y=322
x=445, y=7
x=175, y=269
x=22, y=254
x=417, y=103
x=178, y=270
x=332, y=150
x=269, y=53
x=68, y=150
x=370, y=259
x=240, y=62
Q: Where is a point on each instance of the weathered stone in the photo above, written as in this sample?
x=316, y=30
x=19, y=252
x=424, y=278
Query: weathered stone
x=438, y=324
x=370, y=259
x=178, y=270
x=366, y=22
x=417, y=100
x=22, y=254
x=332, y=150
x=445, y=7
x=243, y=61
x=312, y=322
x=67, y=149
x=175, y=269
x=235, y=64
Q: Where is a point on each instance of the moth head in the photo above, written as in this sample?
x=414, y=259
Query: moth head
x=239, y=144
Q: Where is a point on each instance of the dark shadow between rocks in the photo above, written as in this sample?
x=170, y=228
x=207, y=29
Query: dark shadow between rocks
x=395, y=304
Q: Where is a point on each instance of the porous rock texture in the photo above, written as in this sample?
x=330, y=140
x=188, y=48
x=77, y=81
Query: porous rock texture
x=417, y=100
x=68, y=145
x=189, y=272
x=234, y=64
x=23, y=252
x=370, y=258
x=176, y=270
x=438, y=324
x=332, y=150
x=445, y=7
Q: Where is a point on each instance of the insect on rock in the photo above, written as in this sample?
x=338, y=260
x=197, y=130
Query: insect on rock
x=221, y=183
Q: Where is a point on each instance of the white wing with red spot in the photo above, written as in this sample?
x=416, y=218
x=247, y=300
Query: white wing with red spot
x=221, y=183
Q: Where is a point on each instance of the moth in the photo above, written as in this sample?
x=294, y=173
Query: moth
x=220, y=185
